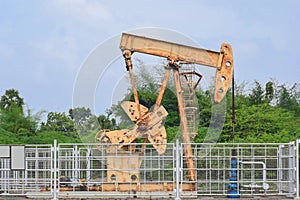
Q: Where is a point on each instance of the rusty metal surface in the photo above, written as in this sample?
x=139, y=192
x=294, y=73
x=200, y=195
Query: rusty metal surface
x=127, y=56
x=222, y=61
x=131, y=109
x=184, y=127
x=150, y=123
x=224, y=73
x=173, y=51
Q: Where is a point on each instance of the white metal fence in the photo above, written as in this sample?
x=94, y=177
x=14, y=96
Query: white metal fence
x=89, y=169
x=263, y=169
x=37, y=172
x=93, y=170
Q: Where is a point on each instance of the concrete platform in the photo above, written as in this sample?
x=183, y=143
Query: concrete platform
x=144, y=198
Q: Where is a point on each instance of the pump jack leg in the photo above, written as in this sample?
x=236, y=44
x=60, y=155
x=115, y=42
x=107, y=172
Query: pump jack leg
x=183, y=125
x=162, y=88
x=127, y=56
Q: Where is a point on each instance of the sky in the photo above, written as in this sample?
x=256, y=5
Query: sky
x=45, y=44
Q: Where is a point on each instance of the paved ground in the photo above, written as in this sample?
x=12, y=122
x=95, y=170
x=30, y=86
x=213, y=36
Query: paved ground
x=200, y=198
x=247, y=198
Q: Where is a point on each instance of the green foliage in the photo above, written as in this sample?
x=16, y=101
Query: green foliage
x=204, y=103
x=254, y=123
x=47, y=137
x=89, y=136
x=173, y=133
x=202, y=132
x=84, y=121
x=12, y=116
x=170, y=103
x=147, y=88
x=269, y=94
x=261, y=115
x=289, y=97
x=7, y=137
x=257, y=94
x=264, y=114
x=57, y=121
x=13, y=120
x=11, y=100
x=107, y=122
x=80, y=115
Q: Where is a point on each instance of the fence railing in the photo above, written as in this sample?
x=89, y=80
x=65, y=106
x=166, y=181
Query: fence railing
x=262, y=169
x=89, y=170
x=35, y=174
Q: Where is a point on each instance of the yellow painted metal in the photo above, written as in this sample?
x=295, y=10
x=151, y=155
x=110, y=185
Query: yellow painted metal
x=222, y=61
x=150, y=123
x=131, y=109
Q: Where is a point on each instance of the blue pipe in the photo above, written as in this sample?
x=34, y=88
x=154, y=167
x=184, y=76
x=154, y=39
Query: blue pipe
x=232, y=187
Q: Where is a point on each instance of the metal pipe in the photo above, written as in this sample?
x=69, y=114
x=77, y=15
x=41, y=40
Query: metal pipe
x=233, y=187
x=54, y=171
x=297, y=168
x=265, y=185
x=177, y=170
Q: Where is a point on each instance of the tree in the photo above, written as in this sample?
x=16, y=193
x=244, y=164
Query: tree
x=257, y=94
x=106, y=123
x=269, y=95
x=7, y=137
x=13, y=118
x=14, y=121
x=261, y=120
x=80, y=115
x=260, y=95
x=11, y=100
x=205, y=103
x=289, y=97
x=58, y=121
x=84, y=121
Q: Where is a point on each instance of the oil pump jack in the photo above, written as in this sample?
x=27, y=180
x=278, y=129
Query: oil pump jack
x=150, y=123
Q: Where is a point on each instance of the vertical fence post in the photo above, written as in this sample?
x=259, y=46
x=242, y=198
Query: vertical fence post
x=54, y=171
x=280, y=166
x=291, y=167
x=177, y=152
x=297, y=168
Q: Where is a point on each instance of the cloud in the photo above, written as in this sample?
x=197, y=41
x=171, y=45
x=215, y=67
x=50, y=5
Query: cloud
x=86, y=11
